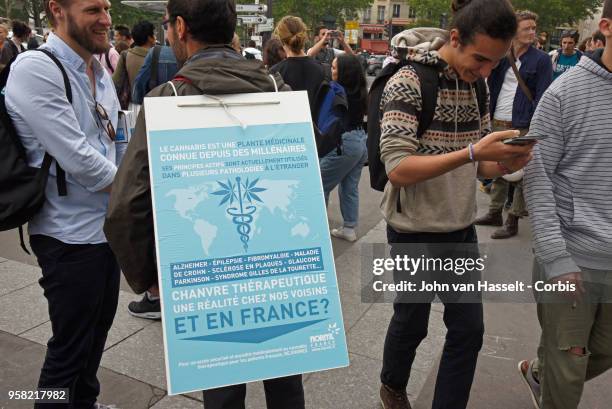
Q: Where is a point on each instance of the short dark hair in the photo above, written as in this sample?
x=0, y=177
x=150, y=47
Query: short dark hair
x=573, y=34
x=598, y=36
x=318, y=29
x=493, y=18
x=273, y=52
x=607, y=10
x=252, y=44
x=208, y=21
x=21, y=29
x=142, y=31
x=123, y=31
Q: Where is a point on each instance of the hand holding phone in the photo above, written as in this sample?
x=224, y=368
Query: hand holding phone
x=525, y=140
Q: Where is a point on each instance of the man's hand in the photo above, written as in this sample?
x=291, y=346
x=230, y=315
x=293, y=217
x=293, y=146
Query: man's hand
x=576, y=280
x=491, y=148
x=518, y=163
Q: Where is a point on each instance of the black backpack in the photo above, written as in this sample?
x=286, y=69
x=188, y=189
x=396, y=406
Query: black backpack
x=430, y=82
x=22, y=187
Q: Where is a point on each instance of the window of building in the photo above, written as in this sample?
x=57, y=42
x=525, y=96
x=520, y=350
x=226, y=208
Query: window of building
x=381, y=14
x=367, y=15
x=411, y=12
x=396, y=10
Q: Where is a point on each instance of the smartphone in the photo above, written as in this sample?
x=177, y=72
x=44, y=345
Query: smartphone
x=525, y=140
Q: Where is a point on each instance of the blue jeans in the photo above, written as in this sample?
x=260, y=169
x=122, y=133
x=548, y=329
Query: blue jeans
x=345, y=170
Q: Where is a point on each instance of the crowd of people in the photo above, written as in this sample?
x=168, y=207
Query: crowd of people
x=439, y=118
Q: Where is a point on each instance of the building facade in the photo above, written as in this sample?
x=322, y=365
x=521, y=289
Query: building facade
x=383, y=20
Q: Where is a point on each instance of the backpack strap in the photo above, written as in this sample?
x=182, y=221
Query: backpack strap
x=481, y=96
x=60, y=173
x=108, y=61
x=154, y=67
x=430, y=82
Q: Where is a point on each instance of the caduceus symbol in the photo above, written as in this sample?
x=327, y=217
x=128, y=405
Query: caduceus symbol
x=244, y=194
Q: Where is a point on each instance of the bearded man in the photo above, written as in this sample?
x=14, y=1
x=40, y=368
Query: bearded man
x=80, y=276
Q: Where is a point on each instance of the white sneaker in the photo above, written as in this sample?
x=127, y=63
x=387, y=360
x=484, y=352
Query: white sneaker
x=345, y=233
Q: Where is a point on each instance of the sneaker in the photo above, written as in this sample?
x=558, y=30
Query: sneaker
x=392, y=399
x=345, y=233
x=525, y=370
x=145, y=308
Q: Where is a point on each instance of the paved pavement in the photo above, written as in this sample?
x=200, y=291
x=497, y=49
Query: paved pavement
x=132, y=373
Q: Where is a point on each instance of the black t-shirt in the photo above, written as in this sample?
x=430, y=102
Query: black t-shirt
x=302, y=74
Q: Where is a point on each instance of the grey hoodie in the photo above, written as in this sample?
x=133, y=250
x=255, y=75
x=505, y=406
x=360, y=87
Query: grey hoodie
x=446, y=203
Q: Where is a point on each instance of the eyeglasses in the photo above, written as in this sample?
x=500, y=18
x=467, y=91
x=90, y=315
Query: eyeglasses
x=165, y=23
x=103, y=117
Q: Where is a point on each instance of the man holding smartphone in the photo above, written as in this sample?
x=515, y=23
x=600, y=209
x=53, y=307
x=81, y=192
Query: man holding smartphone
x=516, y=86
x=323, y=50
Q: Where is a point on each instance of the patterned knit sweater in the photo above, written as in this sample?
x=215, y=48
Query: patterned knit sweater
x=446, y=203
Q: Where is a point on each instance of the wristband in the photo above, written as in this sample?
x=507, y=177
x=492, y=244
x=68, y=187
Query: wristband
x=505, y=170
x=471, y=152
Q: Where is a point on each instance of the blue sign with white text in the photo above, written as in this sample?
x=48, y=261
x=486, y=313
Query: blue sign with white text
x=247, y=273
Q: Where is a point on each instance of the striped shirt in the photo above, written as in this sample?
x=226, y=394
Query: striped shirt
x=568, y=184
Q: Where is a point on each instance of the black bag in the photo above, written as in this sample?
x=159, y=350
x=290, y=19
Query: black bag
x=430, y=82
x=22, y=187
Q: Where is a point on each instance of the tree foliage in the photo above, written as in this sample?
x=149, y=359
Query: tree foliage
x=553, y=13
x=129, y=16
x=313, y=11
x=34, y=10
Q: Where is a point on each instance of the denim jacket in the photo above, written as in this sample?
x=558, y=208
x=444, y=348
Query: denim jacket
x=536, y=71
x=166, y=70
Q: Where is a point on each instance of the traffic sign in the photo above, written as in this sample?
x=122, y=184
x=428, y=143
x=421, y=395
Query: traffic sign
x=268, y=26
x=251, y=8
x=252, y=19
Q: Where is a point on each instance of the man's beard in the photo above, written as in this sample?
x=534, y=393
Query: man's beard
x=82, y=37
x=180, y=51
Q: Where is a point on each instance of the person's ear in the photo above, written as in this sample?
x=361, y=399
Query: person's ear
x=181, y=28
x=605, y=26
x=455, y=38
x=56, y=9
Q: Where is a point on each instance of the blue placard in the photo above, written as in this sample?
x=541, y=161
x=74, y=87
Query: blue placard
x=247, y=274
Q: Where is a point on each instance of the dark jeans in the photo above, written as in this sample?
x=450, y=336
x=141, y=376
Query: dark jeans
x=81, y=284
x=408, y=328
x=281, y=393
